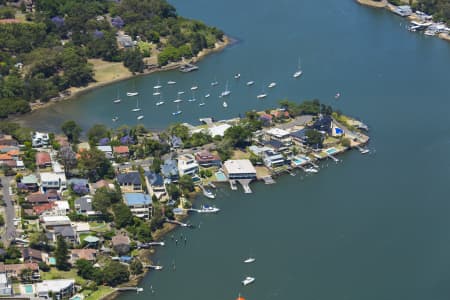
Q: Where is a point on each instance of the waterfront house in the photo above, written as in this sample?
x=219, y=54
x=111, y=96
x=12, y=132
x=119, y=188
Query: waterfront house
x=266, y=119
x=52, y=180
x=239, y=169
x=207, y=159
x=121, y=243
x=87, y=254
x=218, y=130
x=57, y=288
x=83, y=206
x=403, y=10
x=187, y=165
x=169, y=170
x=130, y=182
x=155, y=185
x=273, y=159
x=176, y=142
x=30, y=183
x=299, y=136
x=279, y=135
x=43, y=160
x=107, y=150
x=31, y=255
x=121, y=151
x=6, y=289
x=39, y=139
x=139, y=204
x=323, y=124
x=125, y=41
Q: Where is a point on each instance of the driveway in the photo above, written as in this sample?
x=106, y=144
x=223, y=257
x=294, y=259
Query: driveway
x=10, y=231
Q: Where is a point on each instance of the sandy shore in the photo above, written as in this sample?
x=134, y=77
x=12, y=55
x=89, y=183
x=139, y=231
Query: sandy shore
x=107, y=73
x=379, y=4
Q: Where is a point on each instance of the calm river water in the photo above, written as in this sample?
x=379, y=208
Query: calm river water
x=371, y=227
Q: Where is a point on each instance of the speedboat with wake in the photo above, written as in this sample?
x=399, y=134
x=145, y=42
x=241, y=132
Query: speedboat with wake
x=248, y=280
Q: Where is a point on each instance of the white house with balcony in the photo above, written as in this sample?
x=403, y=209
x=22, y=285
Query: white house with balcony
x=52, y=180
x=187, y=165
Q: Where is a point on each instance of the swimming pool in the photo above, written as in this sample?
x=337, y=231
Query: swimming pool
x=52, y=261
x=28, y=288
x=220, y=176
x=331, y=150
x=76, y=297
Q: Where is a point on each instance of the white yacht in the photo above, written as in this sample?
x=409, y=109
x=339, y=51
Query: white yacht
x=158, y=86
x=137, y=106
x=249, y=260
x=311, y=170
x=227, y=92
x=272, y=85
x=177, y=112
x=207, y=95
x=131, y=94
x=114, y=119
x=208, y=209
x=194, y=88
x=249, y=83
x=180, y=92
x=140, y=117
x=156, y=93
x=225, y=104
x=170, y=82
x=237, y=76
x=202, y=104
x=117, y=100
x=248, y=280
x=299, y=71
x=261, y=96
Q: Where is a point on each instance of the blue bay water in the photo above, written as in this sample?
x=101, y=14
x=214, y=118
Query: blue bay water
x=371, y=227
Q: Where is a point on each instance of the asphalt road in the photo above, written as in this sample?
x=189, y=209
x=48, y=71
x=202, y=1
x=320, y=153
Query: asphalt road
x=10, y=231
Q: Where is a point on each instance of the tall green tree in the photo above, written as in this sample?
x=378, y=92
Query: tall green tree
x=62, y=254
x=71, y=130
x=94, y=164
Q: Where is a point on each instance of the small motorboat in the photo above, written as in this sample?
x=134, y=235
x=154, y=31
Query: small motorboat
x=237, y=76
x=208, y=194
x=156, y=93
x=311, y=170
x=117, y=101
x=272, y=85
x=297, y=74
x=364, y=151
x=175, y=113
x=194, y=88
x=225, y=104
x=177, y=101
x=214, y=83
x=337, y=96
x=180, y=93
x=170, y=82
x=157, y=267
x=249, y=83
x=157, y=86
x=202, y=104
x=140, y=117
x=159, y=103
x=115, y=119
x=206, y=209
x=192, y=100
x=249, y=260
x=248, y=280
x=136, y=109
x=207, y=95
x=131, y=94
x=261, y=96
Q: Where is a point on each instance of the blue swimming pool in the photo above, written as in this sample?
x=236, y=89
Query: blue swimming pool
x=28, y=289
x=298, y=161
x=52, y=261
x=221, y=176
x=331, y=150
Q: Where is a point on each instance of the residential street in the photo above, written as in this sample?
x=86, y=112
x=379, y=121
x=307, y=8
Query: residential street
x=9, y=234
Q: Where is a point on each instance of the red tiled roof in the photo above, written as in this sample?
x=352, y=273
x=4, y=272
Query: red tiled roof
x=120, y=239
x=206, y=156
x=121, y=149
x=43, y=158
x=5, y=157
x=13, y=152
x=39, y=209
x=17, y=268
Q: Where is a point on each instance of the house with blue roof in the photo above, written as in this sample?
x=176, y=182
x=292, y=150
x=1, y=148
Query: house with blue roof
x=155, y=185
x=169, y=170
x=139, y=204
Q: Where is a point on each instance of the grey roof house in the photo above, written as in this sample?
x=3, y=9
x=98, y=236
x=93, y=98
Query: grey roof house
x=130, y=182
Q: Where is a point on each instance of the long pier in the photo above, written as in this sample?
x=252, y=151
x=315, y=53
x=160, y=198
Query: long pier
x=179, y=223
